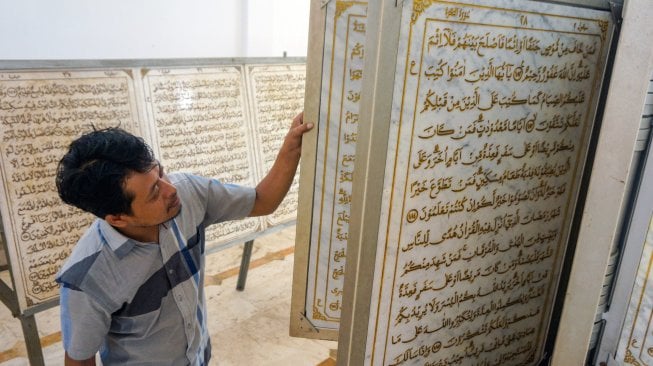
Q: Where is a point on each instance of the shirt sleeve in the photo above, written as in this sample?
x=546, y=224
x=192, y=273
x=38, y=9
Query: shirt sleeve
x=84, y=323
x=228, y=202
x=219, y=201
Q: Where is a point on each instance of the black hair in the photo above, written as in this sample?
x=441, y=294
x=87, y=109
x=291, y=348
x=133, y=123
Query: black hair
x=92, y=174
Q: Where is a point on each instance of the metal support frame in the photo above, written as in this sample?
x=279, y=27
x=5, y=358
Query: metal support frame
x=244, y=265
x=32, y=340
x=9, y=297
x=28, y=324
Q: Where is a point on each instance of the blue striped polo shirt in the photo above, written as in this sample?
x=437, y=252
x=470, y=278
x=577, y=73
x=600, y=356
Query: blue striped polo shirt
x=142, y=303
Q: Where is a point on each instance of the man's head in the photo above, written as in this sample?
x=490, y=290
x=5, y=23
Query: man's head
x=113, y=175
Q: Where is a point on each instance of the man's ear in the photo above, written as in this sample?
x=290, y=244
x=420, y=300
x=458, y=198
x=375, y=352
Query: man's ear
x=116, y=220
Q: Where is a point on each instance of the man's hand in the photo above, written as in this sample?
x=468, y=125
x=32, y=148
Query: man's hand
x=293, y=141
x=274, y=187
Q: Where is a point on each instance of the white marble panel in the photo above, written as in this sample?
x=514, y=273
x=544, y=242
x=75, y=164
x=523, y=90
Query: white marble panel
x=342, y=68
x=41, y=112
x=636, y=342
x=200, y=125
x=492, y=109
x=277, y=96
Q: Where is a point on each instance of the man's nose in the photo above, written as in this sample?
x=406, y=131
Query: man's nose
x=169, y=189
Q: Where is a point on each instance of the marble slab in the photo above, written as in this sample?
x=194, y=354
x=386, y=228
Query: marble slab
x=41, y=112
x=277, y=95
x=341, y=77
x=636, y=342
x=200, y=124
x=492, y=109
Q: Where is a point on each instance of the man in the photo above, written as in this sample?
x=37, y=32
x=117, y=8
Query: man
x=133, y=287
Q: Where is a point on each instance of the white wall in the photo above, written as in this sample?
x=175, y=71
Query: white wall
x=120, y=29
x=276, y=26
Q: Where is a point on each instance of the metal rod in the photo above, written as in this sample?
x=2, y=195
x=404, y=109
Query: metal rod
x=244, y=265
x=32, y=341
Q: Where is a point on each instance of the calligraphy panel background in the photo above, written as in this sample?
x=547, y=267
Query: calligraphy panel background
x=277, y=95
x=41, y=113
x=492, y=108
x=337, y=132
x=201, y=125
x=195, y=119
x=327, y=166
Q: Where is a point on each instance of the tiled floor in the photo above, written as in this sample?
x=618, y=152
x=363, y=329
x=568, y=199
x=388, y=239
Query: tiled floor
x=247, y=328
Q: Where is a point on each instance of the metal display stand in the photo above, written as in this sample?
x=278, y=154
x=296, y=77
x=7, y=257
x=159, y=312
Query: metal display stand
x=244, y=265
x=27, y=321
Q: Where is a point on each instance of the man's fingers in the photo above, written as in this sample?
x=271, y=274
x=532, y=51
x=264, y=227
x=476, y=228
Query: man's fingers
x=301, y=129
x=299, y=119
x=298, y=126
x=307, y=126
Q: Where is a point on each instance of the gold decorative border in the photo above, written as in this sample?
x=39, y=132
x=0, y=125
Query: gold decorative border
x=630, y=359
x=342, y=6
x=604, y=25
x=317, y=315
x=418, y=8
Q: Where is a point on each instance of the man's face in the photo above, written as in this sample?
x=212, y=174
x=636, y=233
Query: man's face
x=155, y=198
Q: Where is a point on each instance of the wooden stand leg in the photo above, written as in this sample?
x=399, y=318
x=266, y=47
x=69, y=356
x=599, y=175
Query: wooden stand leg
x=244, y=265
x=32, y=340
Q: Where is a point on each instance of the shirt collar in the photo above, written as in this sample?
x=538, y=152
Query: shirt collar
x=120, y=244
